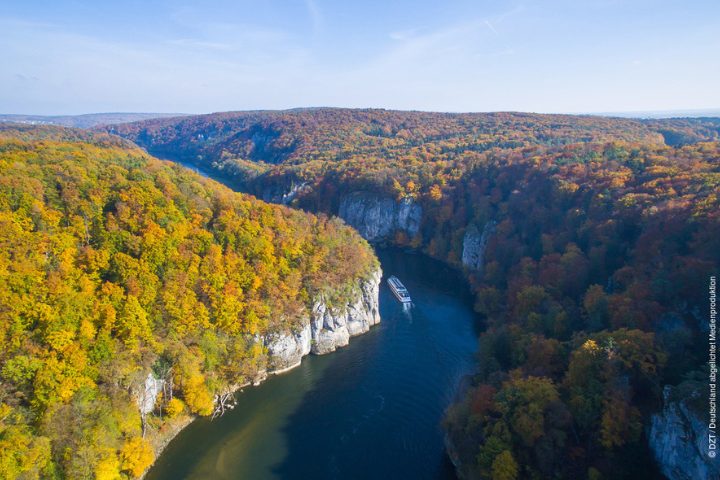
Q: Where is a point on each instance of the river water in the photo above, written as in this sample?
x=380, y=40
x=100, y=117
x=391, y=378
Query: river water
x=371, y=410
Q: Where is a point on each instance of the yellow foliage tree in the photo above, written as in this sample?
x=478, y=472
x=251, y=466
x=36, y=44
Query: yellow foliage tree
x=435, y=193
x=137, y=455
x=197, y=396
x=108, y=468
x=174, y=407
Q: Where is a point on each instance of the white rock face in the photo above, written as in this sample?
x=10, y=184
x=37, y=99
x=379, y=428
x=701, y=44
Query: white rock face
x=286, y=350
x=327, y=328
x=323, y=331
x=679, y=441
x=377, y=217
x=474, y=245
x=147, y=394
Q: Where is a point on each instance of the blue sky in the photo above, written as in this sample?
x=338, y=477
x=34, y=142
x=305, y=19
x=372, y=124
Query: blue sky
x=67, y=57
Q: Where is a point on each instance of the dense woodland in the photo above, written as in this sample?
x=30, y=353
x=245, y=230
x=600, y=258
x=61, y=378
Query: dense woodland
x=593, y=289
x=594, y=293
x=114, y=264
x=368, y=145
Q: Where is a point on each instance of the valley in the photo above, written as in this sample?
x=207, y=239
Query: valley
x=584, y=242
x=564, y=227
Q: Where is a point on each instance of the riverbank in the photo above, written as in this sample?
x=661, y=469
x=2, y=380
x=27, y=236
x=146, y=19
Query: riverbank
x=370, y=410
x=325, y=329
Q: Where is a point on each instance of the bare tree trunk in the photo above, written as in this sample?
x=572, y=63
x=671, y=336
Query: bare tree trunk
x=87, y=232
x=168, y=385
x=225, y=401
x=143, y=417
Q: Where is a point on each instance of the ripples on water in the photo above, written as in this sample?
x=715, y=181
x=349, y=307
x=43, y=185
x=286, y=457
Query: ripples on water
x=368, y=411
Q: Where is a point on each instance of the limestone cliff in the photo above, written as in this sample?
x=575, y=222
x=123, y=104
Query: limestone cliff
x=286, y=349
x=322, y=330
x=679, y=440
x=377, y=217
x=326, y=327
x=474, y=244
x=147, y=392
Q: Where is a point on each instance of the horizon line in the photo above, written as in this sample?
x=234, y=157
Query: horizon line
x=660, y=113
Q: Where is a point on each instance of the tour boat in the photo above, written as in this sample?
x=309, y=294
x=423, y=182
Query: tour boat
x=399, y=289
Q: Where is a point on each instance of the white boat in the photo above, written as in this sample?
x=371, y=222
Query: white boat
x=399, y=289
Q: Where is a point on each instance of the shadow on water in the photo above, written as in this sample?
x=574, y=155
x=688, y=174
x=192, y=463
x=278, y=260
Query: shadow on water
x=370, y=410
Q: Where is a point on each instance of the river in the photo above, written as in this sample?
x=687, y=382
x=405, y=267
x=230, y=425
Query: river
x=371, y=410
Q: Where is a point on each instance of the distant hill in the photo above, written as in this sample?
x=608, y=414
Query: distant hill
x=336, y=134
x=267, y=152
x=658, y=114
x=88, y=120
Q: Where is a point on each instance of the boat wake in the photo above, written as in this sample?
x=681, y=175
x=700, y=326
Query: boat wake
x=407, y=310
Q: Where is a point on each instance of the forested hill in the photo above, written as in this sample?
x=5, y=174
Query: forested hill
x=114, y=264
x=231, y=140
x=271, y=150
x=588, y=241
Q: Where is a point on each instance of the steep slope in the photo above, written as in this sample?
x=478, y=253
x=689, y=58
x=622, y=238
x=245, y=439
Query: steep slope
x=589, y=243
x=134, y=293
x=594, y=285
x=679, y=436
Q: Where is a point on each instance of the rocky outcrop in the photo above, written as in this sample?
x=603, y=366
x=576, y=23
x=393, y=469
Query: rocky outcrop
x=146, y=394
x=332, y=327
x=474, y=244
x=285, y=350
x=679, y=440
x=323, y=330
x=377, y=217
x=284, y=195
x=327, y=327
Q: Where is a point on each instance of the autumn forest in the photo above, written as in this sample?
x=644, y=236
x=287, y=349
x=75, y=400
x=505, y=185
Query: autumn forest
x=594, y=280
x=114, y=263
x=602, y=234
